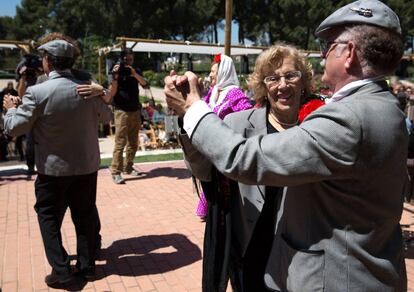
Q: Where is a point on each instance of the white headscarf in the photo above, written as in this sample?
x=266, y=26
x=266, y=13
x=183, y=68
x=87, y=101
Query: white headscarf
x=226, y=80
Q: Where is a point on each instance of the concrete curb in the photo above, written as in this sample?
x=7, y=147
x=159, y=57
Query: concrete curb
x=22, y=165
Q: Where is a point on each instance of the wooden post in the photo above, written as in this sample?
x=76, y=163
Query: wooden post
x=229, y=19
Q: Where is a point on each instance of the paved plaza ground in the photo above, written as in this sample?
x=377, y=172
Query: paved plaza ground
x=152, y=241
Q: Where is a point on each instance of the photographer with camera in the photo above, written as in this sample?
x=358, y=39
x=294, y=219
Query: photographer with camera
x=125, y=91
x=27, y=72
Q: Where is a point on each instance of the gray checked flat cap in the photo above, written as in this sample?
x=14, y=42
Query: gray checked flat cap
x=58, y=48
x=372, y=12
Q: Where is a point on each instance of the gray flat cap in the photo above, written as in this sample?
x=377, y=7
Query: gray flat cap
x=58, y=48
x=372, y=12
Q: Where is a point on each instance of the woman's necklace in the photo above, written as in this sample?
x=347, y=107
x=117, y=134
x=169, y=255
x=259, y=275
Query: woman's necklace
x=274, y=119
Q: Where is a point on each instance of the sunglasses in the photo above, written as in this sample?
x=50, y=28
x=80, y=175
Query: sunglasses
x=325, y=46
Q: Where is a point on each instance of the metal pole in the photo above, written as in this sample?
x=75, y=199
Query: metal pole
x=229, y=16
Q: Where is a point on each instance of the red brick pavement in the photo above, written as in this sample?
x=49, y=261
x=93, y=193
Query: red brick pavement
x=151, y=237
x=152, y=240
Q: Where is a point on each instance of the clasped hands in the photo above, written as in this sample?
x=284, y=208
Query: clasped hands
x=181, y=91
x=11, y=101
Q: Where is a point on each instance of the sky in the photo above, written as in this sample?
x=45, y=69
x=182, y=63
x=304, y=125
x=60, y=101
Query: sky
x=8, y=8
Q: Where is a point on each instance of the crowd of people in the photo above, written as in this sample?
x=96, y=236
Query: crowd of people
x=299, y=192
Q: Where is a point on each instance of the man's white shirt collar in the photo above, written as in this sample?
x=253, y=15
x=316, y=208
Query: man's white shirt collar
x=56, y=72
x=347, y=89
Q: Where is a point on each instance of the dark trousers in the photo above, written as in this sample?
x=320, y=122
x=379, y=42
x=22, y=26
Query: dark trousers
x=53, y=196
x=30, y=151
x=19, y=146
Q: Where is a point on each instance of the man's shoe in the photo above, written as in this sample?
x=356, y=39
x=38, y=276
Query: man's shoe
x=31, y=171
x=118, y=179
x=86, y=273
x=54, y=279
x=134, y=172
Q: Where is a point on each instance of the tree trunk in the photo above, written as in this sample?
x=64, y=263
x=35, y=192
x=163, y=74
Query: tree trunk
x=241, y=33
x=270, y=34
x=306, y=44
x=189, y=62
x=215, y=33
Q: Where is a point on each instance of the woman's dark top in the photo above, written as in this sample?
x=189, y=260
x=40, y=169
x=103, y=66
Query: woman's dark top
x=221, y=257
x=257, y=253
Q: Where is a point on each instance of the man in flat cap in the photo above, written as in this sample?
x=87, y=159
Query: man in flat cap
x=65, y=130
x=338, y=228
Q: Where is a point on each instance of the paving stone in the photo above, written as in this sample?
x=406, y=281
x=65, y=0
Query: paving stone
x=152, y=240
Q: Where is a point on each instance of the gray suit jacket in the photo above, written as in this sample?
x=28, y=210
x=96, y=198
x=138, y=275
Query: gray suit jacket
x=247, y=207
x=65, y=126
x=345, y=171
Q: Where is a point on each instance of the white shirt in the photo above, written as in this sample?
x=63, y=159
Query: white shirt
x=194, y=114
x=347, y=89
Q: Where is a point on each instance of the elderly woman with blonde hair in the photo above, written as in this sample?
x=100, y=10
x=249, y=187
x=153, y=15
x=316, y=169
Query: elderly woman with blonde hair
x=281, y=83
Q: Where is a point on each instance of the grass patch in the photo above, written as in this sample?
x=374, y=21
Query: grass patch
x=148, y=158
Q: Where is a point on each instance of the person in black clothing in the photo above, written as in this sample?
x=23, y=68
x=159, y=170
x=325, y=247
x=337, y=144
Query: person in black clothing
x=4, y=139
x=7, y=90
x=125, y=91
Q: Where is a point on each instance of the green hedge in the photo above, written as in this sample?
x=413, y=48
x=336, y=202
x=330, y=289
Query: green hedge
x=155, y=79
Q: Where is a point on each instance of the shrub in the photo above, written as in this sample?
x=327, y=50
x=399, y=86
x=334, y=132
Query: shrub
x=155, y=79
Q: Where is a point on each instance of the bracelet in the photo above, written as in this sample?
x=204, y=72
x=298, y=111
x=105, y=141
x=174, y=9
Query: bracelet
x=104, y=92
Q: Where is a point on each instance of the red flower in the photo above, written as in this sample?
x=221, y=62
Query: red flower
x=309, y=107
x=217, y=58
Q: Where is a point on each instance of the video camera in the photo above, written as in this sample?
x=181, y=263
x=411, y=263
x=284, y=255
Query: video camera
x=123, y=70
x=30, y=65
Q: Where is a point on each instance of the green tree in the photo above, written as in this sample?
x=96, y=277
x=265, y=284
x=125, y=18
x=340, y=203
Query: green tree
x=6, y=27
x=261, y=21
x=293, y=21
x=214, y=13
x=32, y=19
x=81, y=18
x=405, y=11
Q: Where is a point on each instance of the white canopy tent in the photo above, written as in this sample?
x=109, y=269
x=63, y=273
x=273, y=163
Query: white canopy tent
x=12, y=45
x=187, y=47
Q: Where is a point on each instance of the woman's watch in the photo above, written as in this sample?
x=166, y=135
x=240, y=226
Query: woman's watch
x=104, y=92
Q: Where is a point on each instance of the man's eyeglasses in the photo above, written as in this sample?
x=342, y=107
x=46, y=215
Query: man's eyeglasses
x=326, y=46
x=289, y=77
x=42, y=54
